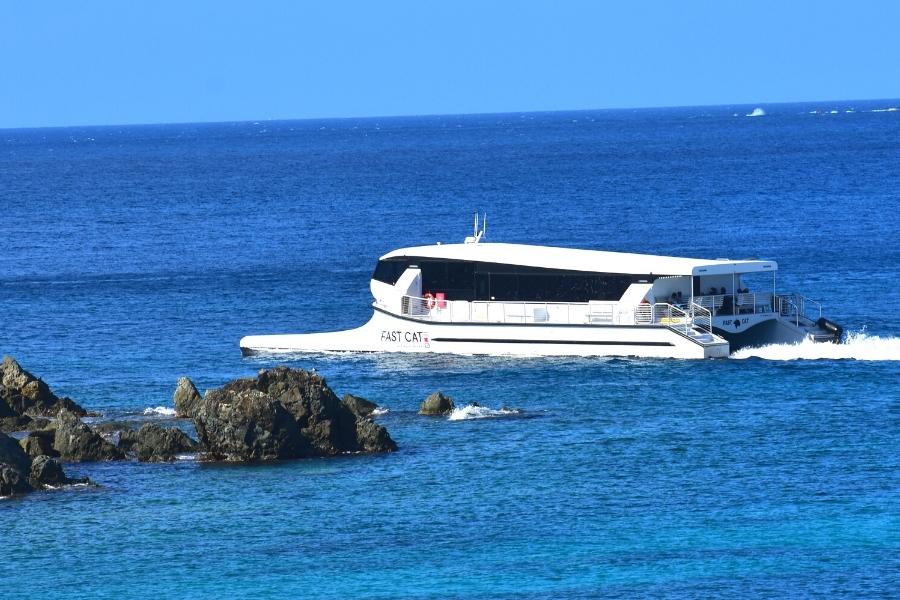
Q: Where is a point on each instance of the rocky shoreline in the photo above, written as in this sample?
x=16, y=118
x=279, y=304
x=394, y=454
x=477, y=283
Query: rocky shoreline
x=280, y=414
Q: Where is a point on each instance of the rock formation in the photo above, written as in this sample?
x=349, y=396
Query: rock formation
x=186, y=398
x=360, y=406
x=77, y=442
x=436, y=404
x=24, y=395
x=159, y=444
x=19, y=473
x=37, y=443
x=283, y=413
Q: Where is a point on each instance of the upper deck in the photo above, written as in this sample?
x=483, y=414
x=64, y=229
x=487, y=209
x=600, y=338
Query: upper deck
x=589, y=261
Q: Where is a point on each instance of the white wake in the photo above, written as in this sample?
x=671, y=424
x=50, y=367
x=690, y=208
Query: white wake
x=857, y=346
x=473, y=411
x=163, y=411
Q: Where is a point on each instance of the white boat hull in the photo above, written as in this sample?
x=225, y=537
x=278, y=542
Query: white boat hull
x=386, y=332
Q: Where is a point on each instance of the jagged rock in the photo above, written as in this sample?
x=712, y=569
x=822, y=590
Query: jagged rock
x=15, y=423
x=15, y=466
x=436, y=404
x=360, y=406
x=282, y=413
x=125, y=440
x=76, y=441
x=372, y=437
x=112, y=427
x=159, y=444
x=186, y=398
x=247, y=425
x=46, y=471
x=37, y=443
x=24, y=394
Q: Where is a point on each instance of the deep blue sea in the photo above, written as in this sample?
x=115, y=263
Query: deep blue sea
x=130, y=256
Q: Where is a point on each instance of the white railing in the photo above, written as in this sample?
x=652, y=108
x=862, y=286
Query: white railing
x=797, y=307
x=735, y=304
x=702, y=318
x=683, y=319
x=462, y=311
x=672, y=317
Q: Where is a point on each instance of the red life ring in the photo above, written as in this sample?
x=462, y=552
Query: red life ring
x=429, y=301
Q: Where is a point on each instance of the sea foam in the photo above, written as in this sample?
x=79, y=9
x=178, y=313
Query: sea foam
x=163, y=411
x=857, y=346
x=757, y=112
x=473, y=411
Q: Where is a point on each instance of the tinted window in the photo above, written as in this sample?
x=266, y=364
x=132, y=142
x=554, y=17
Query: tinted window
x=389, y=271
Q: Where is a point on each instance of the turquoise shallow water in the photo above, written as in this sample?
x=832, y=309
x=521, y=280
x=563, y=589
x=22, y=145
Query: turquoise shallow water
x=134, y=255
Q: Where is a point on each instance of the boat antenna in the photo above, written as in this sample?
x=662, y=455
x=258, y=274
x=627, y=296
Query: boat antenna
x=477, y=233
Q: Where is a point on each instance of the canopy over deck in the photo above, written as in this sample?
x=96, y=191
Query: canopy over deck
x=592, y=261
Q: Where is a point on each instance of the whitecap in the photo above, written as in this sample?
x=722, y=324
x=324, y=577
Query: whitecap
x=757, y=112
x=192, y=456
x=473, y=411
x=856, y=346
x=163, y=411
x=380, y=410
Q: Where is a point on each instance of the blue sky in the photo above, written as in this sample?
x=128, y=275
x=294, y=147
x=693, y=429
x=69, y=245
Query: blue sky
x=95, y=62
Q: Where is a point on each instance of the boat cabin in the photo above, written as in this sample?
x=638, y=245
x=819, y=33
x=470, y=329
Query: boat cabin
x=469, y=282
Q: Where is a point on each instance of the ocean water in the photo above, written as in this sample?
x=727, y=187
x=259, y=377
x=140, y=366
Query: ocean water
x=130, y=256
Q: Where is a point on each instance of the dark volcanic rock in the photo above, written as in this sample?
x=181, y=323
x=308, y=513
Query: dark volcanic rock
x=15, y=423
x=46, y=471
x=15, y=466
x=37, y=443
x=159, y=444
x=360, y=406
x=436, y=404
x=76, y=441
x=186, y=398
x=21, y=393
x=283, y=413
x=247, y=425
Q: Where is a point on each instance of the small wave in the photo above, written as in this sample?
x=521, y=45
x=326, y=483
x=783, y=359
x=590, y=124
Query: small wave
x=163, y=411
x=192, y=456
x=757, y=112
x=473, y=411
x=891, y=109
x=857, y=346
x=380, y=410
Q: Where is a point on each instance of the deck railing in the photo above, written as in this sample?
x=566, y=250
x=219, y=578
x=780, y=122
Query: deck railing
x=735, y=304
x=798, y=308
x=570, y=313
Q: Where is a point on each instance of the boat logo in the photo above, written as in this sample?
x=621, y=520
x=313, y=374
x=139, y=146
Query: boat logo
x=407, y=338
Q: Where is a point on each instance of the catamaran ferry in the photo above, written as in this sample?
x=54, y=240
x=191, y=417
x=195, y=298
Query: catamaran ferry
x=515, y=299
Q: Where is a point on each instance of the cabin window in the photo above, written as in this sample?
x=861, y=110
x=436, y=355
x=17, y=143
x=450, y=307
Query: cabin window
x=389, y=271
x=461, y=280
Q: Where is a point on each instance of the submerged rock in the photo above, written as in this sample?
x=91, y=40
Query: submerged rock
x=159, y=444
x=437, y=404
x=77, y=442
x=186, y=398
x=21, y=393
x=283, y=413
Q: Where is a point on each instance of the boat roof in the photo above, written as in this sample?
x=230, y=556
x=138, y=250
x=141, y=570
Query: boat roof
x=594, y=261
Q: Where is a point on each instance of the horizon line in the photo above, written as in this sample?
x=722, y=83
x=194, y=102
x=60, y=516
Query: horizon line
x=439, y=114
